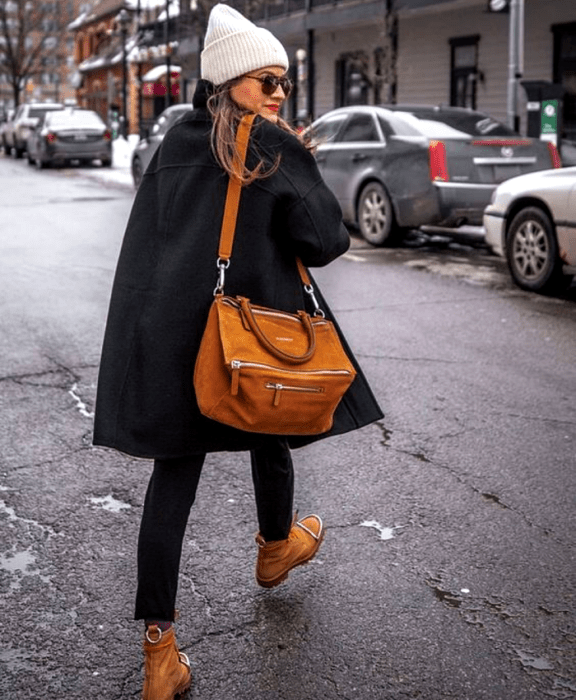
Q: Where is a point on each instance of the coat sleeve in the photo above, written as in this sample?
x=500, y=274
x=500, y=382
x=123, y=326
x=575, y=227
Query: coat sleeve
x=309, y=215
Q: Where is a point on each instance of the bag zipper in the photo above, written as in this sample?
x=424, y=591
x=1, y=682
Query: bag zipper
x=278, y=388
x=277, y=314
x=237, y=365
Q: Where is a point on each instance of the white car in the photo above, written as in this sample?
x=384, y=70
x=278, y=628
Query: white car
x=531, y=220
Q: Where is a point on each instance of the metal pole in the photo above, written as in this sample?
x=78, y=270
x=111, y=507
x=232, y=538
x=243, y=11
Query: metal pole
x=168, y=67
x=311, y=74
x=515, y=60
x=124, y=82
x=139, y=69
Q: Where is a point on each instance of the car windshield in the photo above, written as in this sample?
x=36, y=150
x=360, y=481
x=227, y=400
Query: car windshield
x=75, y=120
x=36, y=112
x=446, y=124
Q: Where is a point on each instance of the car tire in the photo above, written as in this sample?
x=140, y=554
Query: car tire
x=532, y=253
x=137, y=172
x=30, y=160
x=17, y=152
x=375, y=216
x=107, y=163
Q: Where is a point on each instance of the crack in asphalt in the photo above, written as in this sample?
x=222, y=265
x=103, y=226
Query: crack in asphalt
x=72, y=375
x=397, y=358
x=538, y=419
x=486, y=496
x=486, y=612
x=47, y=462
x=195, y=592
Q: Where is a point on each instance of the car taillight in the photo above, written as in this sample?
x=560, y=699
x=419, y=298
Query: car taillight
x=50, y=137
x=554, y=155
x=107, y=135
x=438, y=164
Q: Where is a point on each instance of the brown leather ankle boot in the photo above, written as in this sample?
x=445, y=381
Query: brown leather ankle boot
x=166, y=669
x=277, y=559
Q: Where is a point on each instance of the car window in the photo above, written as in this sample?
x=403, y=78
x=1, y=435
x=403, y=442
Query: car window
x=36, y=112
x=76, y=119
x=361, y=127
x=447, y=124
x=326, y=130
x=398, y=125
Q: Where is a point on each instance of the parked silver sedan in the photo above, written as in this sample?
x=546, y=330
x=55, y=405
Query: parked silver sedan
x=531, y=220
x=402, y=166
x=25, y=120
x=71, y=134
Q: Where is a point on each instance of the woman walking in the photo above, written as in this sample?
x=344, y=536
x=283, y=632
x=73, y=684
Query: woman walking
x=161, y=296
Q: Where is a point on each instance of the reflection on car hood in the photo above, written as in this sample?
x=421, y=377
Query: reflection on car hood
x=557, y=177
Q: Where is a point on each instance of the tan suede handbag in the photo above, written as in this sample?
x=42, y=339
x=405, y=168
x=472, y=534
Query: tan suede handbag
x=262, y=370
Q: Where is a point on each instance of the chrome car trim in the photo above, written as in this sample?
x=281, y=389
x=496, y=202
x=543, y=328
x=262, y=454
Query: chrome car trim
x=528, y=160
x=350, y=145
x=466, y=185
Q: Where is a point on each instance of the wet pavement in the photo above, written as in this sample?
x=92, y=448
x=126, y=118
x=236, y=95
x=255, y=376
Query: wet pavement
x=448, y=568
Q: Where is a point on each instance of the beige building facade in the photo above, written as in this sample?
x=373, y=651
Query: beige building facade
x=451, y=52
x=444, y=42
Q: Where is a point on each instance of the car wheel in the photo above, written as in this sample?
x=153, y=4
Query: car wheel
x=107, y=163
x=30, y=160
x=376, y=216
x=17, y=152
x=532, y=252
x=137, y=172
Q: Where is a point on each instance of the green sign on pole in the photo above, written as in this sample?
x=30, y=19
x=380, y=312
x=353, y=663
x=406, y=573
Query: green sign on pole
x=549, y=115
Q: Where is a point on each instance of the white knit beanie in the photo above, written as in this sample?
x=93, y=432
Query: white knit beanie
x=234, y=46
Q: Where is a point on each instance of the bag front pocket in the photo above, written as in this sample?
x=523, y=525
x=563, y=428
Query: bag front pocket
x=274, y=400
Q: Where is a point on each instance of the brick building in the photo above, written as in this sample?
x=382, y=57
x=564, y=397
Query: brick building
x=53, y=74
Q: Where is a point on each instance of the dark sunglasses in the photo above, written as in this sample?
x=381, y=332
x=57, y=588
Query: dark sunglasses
x=270, y=84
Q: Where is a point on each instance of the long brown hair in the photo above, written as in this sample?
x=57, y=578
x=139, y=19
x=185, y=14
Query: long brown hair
x=226, y=116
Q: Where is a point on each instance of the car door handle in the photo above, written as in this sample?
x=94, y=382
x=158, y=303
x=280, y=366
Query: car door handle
x=357, y=157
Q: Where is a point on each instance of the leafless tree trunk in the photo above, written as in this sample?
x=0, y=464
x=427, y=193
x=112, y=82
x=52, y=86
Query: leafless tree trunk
x=31, y=39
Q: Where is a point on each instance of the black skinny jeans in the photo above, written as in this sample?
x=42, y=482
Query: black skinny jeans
x=170, y=496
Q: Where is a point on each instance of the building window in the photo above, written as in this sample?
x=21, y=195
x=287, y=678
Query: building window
x=565, y=75
x=464, y=71
x=352, y=82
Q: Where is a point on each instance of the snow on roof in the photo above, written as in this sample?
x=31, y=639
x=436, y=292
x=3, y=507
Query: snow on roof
x=173, y=7
x=111, y=58
x=158, y=72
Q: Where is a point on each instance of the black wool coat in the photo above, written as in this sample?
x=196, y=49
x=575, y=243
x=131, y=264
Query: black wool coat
x=166, y=274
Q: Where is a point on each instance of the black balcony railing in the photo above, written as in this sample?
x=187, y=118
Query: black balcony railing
x=268, y=9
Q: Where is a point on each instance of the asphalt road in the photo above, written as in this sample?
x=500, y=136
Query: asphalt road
x=448, y=568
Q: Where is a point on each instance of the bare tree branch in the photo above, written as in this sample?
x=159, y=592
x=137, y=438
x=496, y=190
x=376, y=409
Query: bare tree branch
x=31, y=36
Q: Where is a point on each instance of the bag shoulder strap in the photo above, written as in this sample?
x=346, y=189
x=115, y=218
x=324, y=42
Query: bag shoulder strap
x=233, y=199
x=234, y=189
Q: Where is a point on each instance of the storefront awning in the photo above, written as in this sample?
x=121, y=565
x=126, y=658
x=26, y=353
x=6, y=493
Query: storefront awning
x=158, y=72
